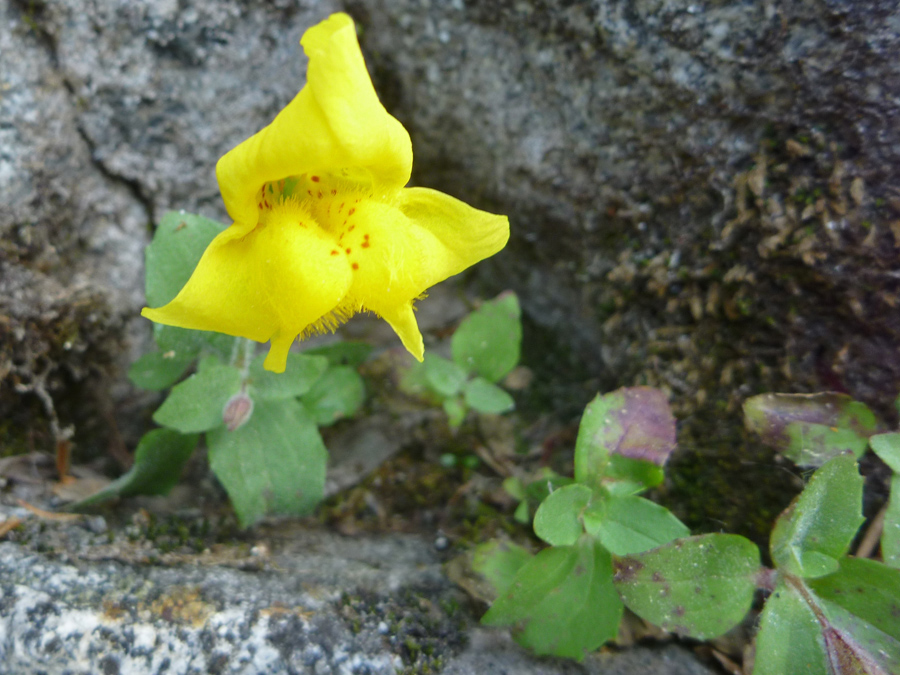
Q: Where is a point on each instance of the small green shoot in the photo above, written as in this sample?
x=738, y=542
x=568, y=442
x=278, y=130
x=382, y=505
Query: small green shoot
x=485, y=349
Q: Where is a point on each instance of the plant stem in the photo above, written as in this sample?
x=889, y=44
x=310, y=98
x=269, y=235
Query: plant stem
x=766, y=578
x=249, y=352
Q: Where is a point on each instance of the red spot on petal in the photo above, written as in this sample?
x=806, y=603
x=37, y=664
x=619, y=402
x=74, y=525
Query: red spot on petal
x=365, y=244
x=314, y=179
x=320, y=194
x=334, y=253
x=356, y=266
x=333, y=192
x=340, y=207
x=348, y=251
x=351, y=212
x=309, y=192
x=351, y=228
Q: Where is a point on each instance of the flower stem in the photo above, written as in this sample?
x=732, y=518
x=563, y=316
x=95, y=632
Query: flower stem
x=249, y=353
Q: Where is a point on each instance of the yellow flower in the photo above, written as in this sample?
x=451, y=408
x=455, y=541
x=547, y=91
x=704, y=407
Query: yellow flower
x=323, y=225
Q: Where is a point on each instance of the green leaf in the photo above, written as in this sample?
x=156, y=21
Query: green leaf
x=414, y=382
x=158, y=370
x=547, y=481
x=890, y=537
x=197, y=403
x=300, y=374
x=485, y=397
x=629, y=524
x=444, y=377
x=558, y=518
x=700, y=586
x=836, y=624
x=625, y=476
x=810, y=429
x=514, y=487
x=499, y=562
x=634, y=422
x=854, y=646
x=272, y=465
x=819, y=525
x=789, y=638
x=887, y=447
x=561, y=602
x=183, y=342
x=178, y=243
x=867, y=589
x=339, y=393
x=489, y=340
x=455, y=410
x=347, y=353
x=158, y=462
x=522, y=514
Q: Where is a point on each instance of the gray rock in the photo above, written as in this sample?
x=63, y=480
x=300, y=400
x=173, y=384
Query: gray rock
x=318, y=603
x=617, y=136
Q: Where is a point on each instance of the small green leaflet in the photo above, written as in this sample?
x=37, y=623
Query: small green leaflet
x=630, y=524
x=178, y=244
x=867, y=589
x=700, y=586
x=499, y=562
x=887, y=447
x=197, y=403
x=272, y=465
x=481, y=395
x=841, y=623
x=561, y=602
x=346, y=353
x=789, y=638
x=300, y=374
x=158, y=461
x=339, y=393
x=444, y=377
x=159, y=370
x=558, y=518
x=488, y=341
x=816, y=530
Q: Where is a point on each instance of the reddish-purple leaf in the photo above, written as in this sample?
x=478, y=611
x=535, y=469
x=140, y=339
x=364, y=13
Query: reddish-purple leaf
x=634, y=422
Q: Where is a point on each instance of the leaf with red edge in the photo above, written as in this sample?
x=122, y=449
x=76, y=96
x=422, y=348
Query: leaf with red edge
x=633, y=423
x=810, y=429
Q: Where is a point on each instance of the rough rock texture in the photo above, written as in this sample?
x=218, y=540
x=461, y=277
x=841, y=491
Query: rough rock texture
x=702, y=194
x=704, y=197
x=618, y=135
x=302, y=602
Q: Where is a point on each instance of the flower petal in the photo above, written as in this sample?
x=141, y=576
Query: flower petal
x=403, y=321
x=398, y=250
x=270, y=284
x=335, y=122
x=466, y=235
